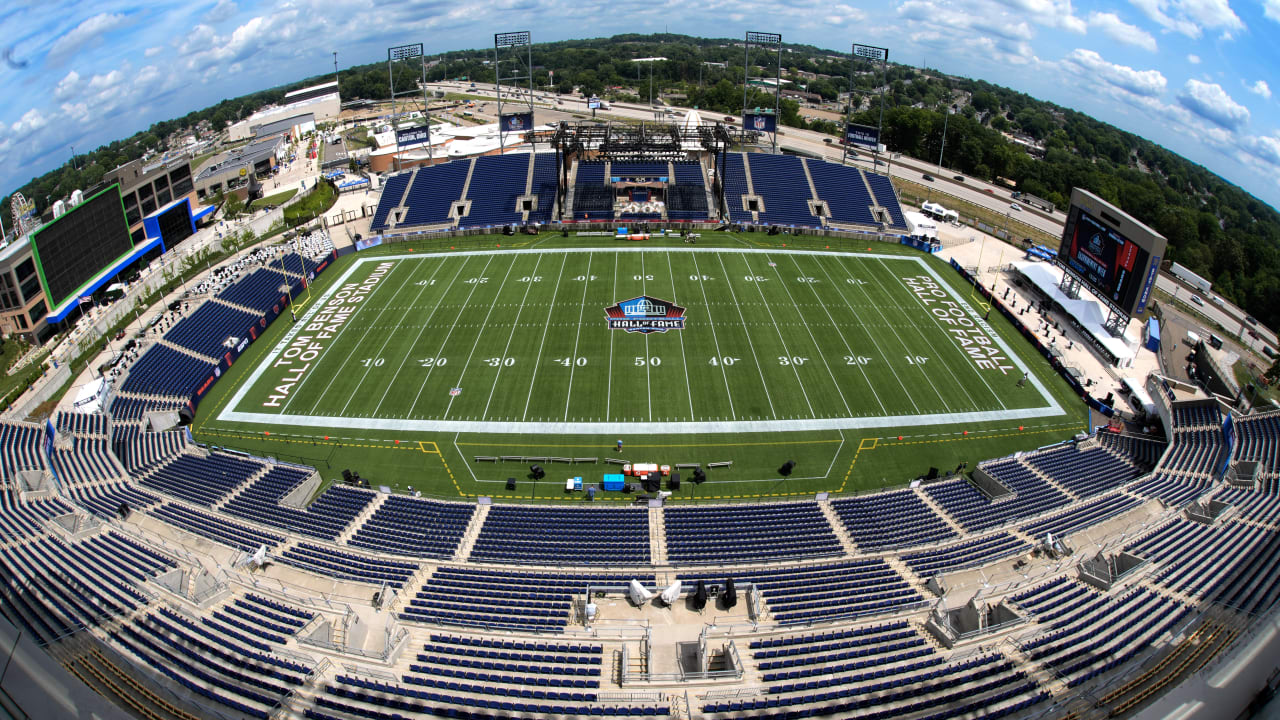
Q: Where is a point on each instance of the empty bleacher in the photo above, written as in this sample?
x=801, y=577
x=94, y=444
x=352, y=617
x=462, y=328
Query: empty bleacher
x=574, y=536
x=748, y=533
x=206, y=330
x=326, y=516
x=392, y=194
x=887, y=197
x=413, y=526
x=844, y=191
x=886, y=520
x=496, y=182
x=781, y=181
x=433, y=192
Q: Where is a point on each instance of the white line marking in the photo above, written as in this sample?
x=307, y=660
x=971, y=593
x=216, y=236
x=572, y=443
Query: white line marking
x=684, y=360
x=747, y=333
x=447, y=335
x=712, y=324
x=514, y=326
x=794, y=370
x=479, y=335
x=608, y=393
x=537, y=361
x=582, y=305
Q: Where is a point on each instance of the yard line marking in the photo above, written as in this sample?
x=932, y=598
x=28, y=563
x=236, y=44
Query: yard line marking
x=933, y=386
x=582, y=305
x=337, y=336
x=962, y=354
x=386, y=339
x=449, y=334
x=734, y=295
x=809, y=330
x=782, y=340
x=871, y=335
x=514, y=326
x=647, y=383
x=608, y=393
x=683, y=359
x=712, y=323
x=843, y=339
x=476, y=344
x=537, y=361
x=351, y=355
x=421, y=330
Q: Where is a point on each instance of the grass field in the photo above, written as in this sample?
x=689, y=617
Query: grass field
x=407, y=365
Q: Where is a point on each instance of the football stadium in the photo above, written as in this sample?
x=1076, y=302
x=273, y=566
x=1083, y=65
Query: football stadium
x=635, y=419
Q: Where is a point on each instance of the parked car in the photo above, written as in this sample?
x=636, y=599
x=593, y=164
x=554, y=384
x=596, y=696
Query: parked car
x=928, y=177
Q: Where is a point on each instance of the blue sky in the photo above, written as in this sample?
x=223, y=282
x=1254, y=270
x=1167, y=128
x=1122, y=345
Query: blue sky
x=1196, y=76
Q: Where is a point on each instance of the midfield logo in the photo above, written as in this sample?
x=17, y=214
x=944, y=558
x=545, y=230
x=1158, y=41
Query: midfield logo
x=645, y=314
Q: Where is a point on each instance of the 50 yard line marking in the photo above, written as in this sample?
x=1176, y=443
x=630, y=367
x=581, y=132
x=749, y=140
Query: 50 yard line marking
x=449, y=334
x=582, y=305
x=608, y=393
x=474, y=345
x=537, y=361
x=409, y=349
x=683, y=359
x=648, y=385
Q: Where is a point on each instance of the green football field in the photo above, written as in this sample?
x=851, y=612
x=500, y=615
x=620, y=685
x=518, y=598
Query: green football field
x=409, y=365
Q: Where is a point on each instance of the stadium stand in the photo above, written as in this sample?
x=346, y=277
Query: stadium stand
x=547, y=536
x=433, y=191
x=781, y=180
x=887, y=198
x=735, y=186
x=392, y=195
x=887, y=520
x=496, y=182
x=412, y=526
x=844, y=191
x=748, y=533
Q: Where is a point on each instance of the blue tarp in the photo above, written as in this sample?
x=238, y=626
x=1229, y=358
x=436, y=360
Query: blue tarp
x=1153, y=335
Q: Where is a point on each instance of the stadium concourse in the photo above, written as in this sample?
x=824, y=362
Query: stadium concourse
x=181, y=580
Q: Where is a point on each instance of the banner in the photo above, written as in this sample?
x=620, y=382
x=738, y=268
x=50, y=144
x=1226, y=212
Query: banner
x=760, y=122
x=413, y=137
x=593, y=103
x=517, y=122
x=862, y=136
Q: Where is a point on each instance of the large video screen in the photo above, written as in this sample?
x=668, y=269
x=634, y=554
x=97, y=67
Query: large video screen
x=76, y=246
x=1111, y=264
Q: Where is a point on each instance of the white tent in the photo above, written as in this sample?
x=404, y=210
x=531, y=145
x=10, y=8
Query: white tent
x=637, y=593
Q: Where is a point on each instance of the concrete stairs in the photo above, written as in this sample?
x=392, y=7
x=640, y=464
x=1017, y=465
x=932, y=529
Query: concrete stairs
x=657, y=539
x=358, y=520
x=916, y=582
x=1052, y=483
x=1154, y=586
x=846, y=541
x=186, y=351
x=939, y=511
x=242, y=308
x=473, y=531
x=751, y=187
x=1041, y=673
x=217, y=507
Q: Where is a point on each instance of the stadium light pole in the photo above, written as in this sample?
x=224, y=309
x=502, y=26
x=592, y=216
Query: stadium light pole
x=946, y=117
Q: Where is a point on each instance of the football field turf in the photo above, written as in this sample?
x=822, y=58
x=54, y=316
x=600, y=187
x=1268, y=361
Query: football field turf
x=866, y=368
x=518, y=341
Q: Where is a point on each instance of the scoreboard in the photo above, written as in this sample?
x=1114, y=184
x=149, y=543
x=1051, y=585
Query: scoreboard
x=1112, y=253
x=72, y=249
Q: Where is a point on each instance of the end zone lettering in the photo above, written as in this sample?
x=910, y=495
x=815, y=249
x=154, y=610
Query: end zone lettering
x=972, y=334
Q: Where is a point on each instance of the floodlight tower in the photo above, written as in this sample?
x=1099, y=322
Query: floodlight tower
x=871, y=52
x=406, y=56
x=507, y=48
x=763, y=40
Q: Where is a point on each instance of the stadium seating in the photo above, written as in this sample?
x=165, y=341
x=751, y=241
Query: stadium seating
x=735, y=186
x=161, y=371
x=781, y=181
x=844, y=191
x=20, y=449
x=326, y=517
x=546, y=182
x=433, y=192
x=348, y=566
x=201, y=480
x=687, y=196
x=886, y=520
x=887, y=197
x=496, y=182
x=1085, y=473
x=963, y=555
x=748, y=533
x=206, y=330
x=549, y=536
x=392, y=193
x=259, y=289
x=412, y=526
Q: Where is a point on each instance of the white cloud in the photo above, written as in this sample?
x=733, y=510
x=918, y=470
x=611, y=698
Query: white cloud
x=1191, y=17
x=1193, y=59
x=30, y=122
x=67, y=86
x=1148, y=83
x=1271, y=8
x=87, y=34
x=1211, y=102
x=1261, y=88
x=1113, y=27
x=224, y=10
x=153, y=51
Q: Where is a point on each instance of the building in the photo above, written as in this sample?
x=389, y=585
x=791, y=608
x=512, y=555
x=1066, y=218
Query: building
x=22, y=305
x=231, y=170
x=148, y=188
x=321, y=102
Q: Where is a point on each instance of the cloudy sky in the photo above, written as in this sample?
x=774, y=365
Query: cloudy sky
x=1196, y=76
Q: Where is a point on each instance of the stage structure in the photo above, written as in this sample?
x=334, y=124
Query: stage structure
x=762, y=120
x=514, y=52
x=656, y=142
x=407, y=62
x=858, y=134
x=1112, y=253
